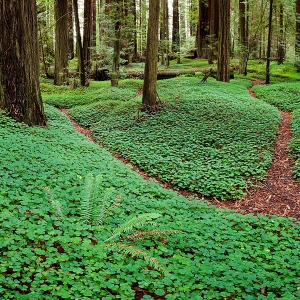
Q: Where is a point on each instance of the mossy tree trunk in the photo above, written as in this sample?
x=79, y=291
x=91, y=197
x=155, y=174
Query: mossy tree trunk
x=61, y=72
x=19, y=64
x=150, y=74
x=223, y=73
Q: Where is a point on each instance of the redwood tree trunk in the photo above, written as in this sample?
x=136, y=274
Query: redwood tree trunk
x=71, y=31
x=202, y=29
x=117, y=45
x=243, y=38
x=213, y=7
x=269, y=44
x=81, y=66
x=61, y=72
x=19, y=62
x=87, y=35
x=297, y=42
x=281, y=44
x=175, y=30
x=150, y=74
x=223, y=73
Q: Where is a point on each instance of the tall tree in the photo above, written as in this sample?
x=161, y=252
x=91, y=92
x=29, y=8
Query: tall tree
x=269, y=44
x=223, y=73
x=61, y=72
x=164, y=32
x=87, y=34
x=19, y=62
x=81, y=66
x=175, y=30
x=281, y=43
x=213, y=6
x=117, y=43
x=71, y=31
x=202, y=29
x=243, y=38
x=297, y=40
x=150, y=74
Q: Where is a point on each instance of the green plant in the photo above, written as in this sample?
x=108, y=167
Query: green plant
x=97, y=204
x=220, y=253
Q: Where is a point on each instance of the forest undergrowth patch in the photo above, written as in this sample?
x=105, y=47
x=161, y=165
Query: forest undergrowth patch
x=213, y=139
x=216, y=254
x=286, y=96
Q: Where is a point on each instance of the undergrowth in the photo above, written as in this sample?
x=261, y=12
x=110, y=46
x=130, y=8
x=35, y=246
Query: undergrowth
x=218, y=254
x=286, y=96
x=211, y=138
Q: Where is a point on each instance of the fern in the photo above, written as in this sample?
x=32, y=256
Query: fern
x=55, y=204
x=97, y=204
x=155, y=232
x=133, y=222
x=137, y=252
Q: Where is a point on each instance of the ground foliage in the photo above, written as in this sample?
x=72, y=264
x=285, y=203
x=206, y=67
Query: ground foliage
x=218, y=254
x=286, y=96
x=211, y=138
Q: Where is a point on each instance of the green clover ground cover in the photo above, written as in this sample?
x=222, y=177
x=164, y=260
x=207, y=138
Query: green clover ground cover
x=210, y=138
x=286, y=96
x=218, y=254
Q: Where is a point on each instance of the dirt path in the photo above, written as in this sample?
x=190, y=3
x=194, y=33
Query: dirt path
x=279, y=195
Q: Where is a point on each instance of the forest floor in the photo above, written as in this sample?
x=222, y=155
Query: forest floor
x=278, y=195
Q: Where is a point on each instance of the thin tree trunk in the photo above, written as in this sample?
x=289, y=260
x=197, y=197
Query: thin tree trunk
x=79, y=45
x=117, y=46
x=61, y=72
x=269, y=44
x=243, y=38
x=19, y=64
x=175, y=31
x=202, y=29
x=223, y=73
x=71, y=31
x=297, y=34
x=281, y=44
x=87, y=35
x=150, y=74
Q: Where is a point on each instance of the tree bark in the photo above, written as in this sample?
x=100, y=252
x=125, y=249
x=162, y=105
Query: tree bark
x=269, y=44
x=297, y=40
x=223, y=73
x=61, y=72
x=202, y=29
x=117, y=45
x=175, y=30
x=81, y=66
x=243, y=38
x=213, y=7
x=87, y=35
x=71, y=31
x=281, y=44
x=149, y=91
x=19, y=62
x=164, y=33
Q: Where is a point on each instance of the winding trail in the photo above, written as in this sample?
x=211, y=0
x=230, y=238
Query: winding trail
x=278, y=195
